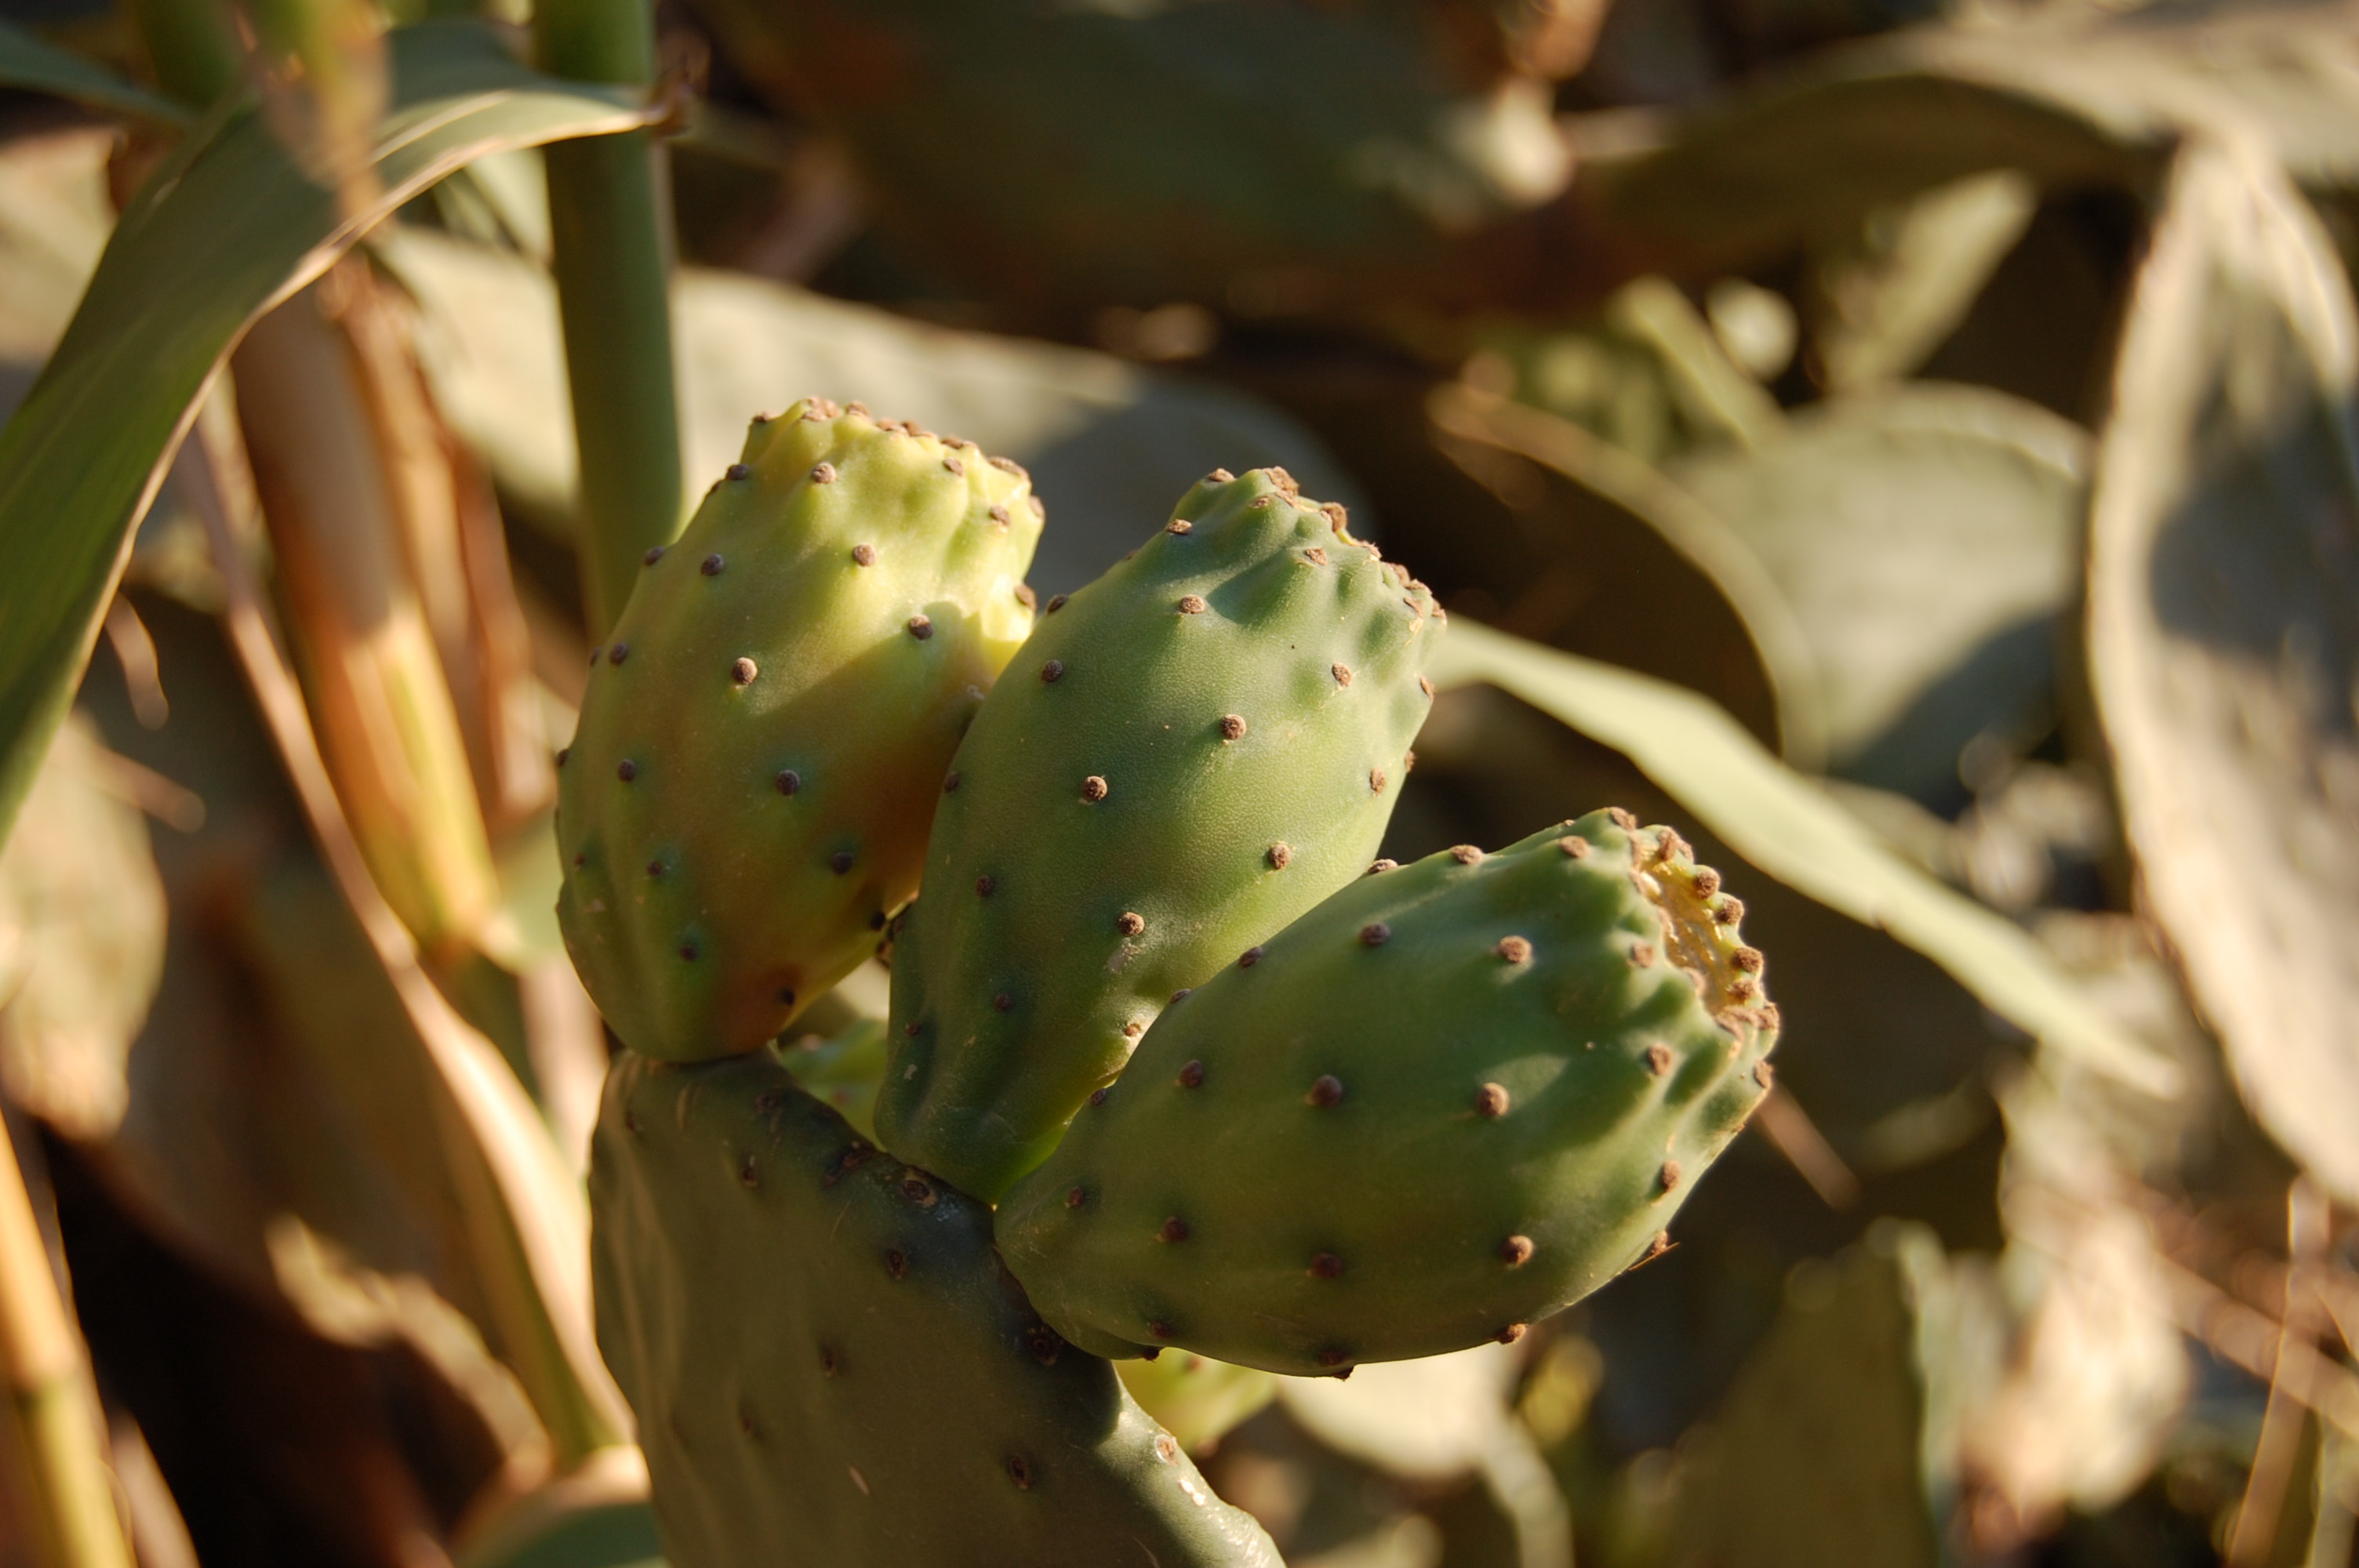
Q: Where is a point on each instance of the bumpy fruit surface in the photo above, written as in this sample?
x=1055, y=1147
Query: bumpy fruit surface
x=1198, y=747
x=1453, y=1098
x=764, y=737
x=831, y=1368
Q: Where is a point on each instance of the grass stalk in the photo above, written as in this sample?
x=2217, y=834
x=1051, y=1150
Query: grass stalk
x=610, y=253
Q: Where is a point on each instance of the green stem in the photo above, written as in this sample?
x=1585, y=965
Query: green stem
x=609, y=252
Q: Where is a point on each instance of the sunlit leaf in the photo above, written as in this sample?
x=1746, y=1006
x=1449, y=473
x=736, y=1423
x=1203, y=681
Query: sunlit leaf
x=226, y=229
x=2224, y=631
x=1794, y=831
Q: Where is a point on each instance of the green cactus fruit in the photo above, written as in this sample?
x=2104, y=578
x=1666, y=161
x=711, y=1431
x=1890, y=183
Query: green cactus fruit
x=1198, y=747
x=830, y=1366
x=1453, y=1098
x=748, y=797
x=841, y=1070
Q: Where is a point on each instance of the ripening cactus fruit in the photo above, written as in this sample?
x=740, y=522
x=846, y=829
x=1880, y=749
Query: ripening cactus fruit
x=831, y=1368
x=1193, y=750
x=1453, y=1098
x=761, y=747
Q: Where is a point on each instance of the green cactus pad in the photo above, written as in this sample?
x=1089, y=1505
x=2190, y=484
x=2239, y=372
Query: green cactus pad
x=1450, y=1101
x=760, y=750
x=830, y=1366
x=1198, y=747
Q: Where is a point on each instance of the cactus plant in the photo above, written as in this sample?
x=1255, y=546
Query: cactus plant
x=830, y=1366
x=1196, y=748
x=748, y=797
x=1453, y=1098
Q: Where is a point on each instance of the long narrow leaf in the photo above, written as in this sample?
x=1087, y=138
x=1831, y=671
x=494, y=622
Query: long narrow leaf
x=223, y=233
x=1785, y=826
x=33, y=64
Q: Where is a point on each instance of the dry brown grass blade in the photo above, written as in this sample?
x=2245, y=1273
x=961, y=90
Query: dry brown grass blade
x=529, y=1219
x=2273, y=1456
x=328, y=470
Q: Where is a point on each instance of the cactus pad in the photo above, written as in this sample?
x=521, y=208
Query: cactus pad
x=830, y=1366
x=748, y=795
x=1453, y=1098
x=1198, y=747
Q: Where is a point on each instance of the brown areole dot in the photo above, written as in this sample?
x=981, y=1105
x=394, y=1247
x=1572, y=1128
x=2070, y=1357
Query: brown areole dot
x=1491, y=1099
x=1161, y=1329
x=655, y=868
x=1330, y=1357
x=1574, y=845
x=1466, y=855
x=840, y=862
x=950, y=783
x=1003, y=1002
x=618, y=653
x=824, y=473
x=1192, y=604
x=1325, y=1265
x=1425, y=686
x=1054, y=670
x=743, y=671
x=1375, y=934
x=1280, y=855
x=956, y=468
x=1643, y=954
x=864, y=555
x=1094, y=788
x=788, y=781
x=1233, y=727
x=1763, y=1074
x=1177, y=525
x=1135, y=1028
x=655, y=553
x=1515, y=1252
x=1621, y=819
x=1343, y=674
x=1376, y=779
x=626, y=770
x=1057, y=604
x=563, y=752
x=688, y=952
x=1018, y=1471
x=713, y=566
x=1729, y=910
x=897, y=1263
x=785, y=996
x=1026, y=597
x=737, y=472
x=1097, y=1097
x=1130, y=923
x=921, y=627
x=1076, y=1197
x=1173, y=1229
x=1510, y=1334
x=1670, y=1175
x=1378, y=868
x=984, y=884
x=998, y=516
x=1177, y=995
x=1515, y=949
x=1327, y=1091
x=1706, y=882
x=1192, y=1076
x=1248, y=958
x=1747, y=959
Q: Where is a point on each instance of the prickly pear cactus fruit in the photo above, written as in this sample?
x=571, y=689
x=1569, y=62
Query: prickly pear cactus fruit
x=1193, y=750
x=761, y=744
x=830, y=1366
x=1453, y=1098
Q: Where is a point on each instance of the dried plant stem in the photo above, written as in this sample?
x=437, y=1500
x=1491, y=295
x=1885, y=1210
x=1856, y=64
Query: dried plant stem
x=57, y=1425
x=527, y=1215
x=2273, y=1456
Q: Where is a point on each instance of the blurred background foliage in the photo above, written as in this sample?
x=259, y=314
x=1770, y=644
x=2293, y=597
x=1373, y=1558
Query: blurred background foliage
x=1907, y=446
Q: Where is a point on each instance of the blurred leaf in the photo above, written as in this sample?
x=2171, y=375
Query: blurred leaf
x=842, y=1071
x=226, y=229
x=598, y=1517
x=2069, y=97
x=1110, y=446
x=1927, y=538
x=1795, y=832
x=1814, y=1456
x=1195, y=1398
x=82, y=939
x=55, y=215
x=31, y=64
x=1431, y=1418
x=1678, y=630
x=1904, y=282
x=321, y=71
x=1267, y=157
x=2224, y=631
